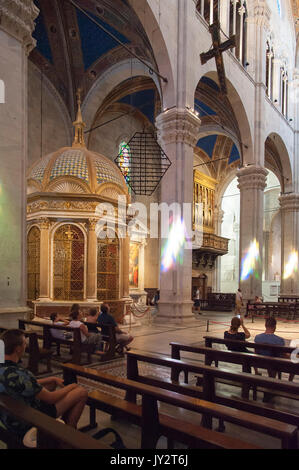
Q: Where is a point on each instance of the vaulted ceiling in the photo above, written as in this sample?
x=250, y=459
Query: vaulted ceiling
x=73, y=52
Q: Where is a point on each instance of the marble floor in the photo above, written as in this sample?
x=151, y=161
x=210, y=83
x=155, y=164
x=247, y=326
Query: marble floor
x=152, y=337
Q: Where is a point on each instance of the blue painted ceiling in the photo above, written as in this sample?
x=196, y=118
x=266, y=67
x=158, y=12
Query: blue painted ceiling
x=96, y=42
x=144, y=101
x=203, y=109
x=208, y=81
x=41, y=36
x=207, y=144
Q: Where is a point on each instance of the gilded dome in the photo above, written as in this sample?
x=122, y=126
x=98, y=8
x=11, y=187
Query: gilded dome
x=74, y=170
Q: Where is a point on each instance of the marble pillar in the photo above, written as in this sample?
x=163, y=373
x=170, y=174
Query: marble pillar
x=44, y=226
x=289, y=204
x=125, y=294
x=92, y=248
x=16, y=27
x=178, y=131
x=252, y=183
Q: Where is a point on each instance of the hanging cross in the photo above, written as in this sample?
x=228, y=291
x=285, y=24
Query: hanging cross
x=217, y=51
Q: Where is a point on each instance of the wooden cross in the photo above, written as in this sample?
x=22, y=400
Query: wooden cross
x=217, y=51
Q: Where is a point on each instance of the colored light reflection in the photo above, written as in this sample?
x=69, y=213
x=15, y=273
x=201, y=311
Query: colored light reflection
x=292, y=265
x=172, y=252
x=250, y=262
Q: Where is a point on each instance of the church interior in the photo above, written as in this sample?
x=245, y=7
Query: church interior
x=119, y=118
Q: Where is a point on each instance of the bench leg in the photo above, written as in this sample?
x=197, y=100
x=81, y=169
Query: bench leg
x=221, y=427
x=92, y=420
x=207, y=421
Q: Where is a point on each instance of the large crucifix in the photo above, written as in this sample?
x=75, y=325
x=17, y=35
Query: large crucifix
x=217, y=51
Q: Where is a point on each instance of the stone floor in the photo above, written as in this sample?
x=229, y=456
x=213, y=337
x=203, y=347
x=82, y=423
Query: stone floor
x=153, y=337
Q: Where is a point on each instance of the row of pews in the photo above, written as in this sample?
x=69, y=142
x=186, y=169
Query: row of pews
x=205, y=398
x=74, y=343
x=212, y=405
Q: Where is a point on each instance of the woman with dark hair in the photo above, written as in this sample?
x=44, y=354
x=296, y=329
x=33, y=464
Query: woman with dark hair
x=234, y=334
x=86, y=336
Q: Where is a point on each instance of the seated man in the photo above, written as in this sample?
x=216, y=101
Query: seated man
x=19, y=383
x=122, y=338
x=269, y=338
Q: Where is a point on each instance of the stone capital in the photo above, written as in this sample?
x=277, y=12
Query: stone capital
x=252, y=177
x=261, y=14
x=17, y=19
x=289, y=202
x=178, y=126
x=44, y=223
x=92, y=223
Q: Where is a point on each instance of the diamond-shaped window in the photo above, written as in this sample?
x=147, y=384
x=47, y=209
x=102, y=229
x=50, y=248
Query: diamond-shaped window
x=147, y=166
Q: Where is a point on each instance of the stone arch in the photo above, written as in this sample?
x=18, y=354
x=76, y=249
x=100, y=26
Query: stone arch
x=277, y=159
x=151, y=24
x=108, y=81
x=244, y=140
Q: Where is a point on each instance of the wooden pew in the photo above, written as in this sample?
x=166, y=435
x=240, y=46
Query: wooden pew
x=75, y=344
x=207, y=390
x=289, y=310
x=51, y=433
x=153, y=423
x=246, y=360
x=278, y=351
x=35, y=353
x=221, y=302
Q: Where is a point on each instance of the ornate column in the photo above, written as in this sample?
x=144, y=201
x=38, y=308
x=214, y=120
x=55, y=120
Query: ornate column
x=252, y=183
x=178, y=132
x=211, y=11
x=125, y=269
x=276, y=81
x=16, y=26
x=241, y=12
x=92, y=251
x=218, y=215
x=44, y=225
x=269, y=78
x=224, y=7
x=289, y=204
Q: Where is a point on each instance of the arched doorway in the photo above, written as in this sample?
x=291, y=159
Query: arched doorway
x=108, y=269
x=231, y=229
x=68, y=273
x=33, y=263
x=272, y=239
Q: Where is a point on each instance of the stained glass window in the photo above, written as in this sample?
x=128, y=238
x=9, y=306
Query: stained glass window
x=125, y=160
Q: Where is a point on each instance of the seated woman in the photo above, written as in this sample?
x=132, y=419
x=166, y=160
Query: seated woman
x=59, y=334
x=86, y=336
x=92, y=320
x=234, y=334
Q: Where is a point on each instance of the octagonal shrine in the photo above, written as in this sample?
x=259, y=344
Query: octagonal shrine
x=67, y=262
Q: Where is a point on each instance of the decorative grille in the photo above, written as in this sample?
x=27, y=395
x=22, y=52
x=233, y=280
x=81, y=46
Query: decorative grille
x=33, y=263
x=108, y=269
x=68, y=263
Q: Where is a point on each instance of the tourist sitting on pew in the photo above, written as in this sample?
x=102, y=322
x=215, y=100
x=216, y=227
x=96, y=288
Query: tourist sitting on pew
x=234, y=334
x=269, y=337
x=67, y=402
x=86, y=337
x=92, y=320
x=58, y=334
x=122, y=338
x=74, y=308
